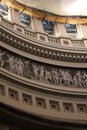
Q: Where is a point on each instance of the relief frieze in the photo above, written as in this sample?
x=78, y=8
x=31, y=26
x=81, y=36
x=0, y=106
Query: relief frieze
x=50, y=74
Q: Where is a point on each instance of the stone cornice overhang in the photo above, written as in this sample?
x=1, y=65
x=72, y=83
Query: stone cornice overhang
x=16, y=42
x=14, y=117
x=42, y=88
x=31, y=41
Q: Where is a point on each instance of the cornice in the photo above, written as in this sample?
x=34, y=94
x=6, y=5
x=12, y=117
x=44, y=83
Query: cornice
x=61, y=56
x=28, y=120
x=31, y=87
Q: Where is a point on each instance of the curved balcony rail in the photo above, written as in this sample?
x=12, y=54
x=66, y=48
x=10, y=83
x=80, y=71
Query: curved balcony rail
x=38, y=83
x=43, y=88
x=37, y=48
x=45, y=39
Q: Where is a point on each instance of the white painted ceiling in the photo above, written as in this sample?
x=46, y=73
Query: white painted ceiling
x=61, y=7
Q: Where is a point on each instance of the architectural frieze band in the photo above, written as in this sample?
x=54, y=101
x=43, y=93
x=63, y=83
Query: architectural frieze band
x=43, y=68
x=30, y=88
x=42, y=72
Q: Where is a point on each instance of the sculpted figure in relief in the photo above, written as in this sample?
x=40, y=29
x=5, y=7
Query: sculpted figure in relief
x=31, y=69
x=11, y=62
x=42, y=72
x=1, y=58
x=20, y=67
x=79, y=78
x=35, y=70
x=48, y=76
x=84, y=78
x=55, y=76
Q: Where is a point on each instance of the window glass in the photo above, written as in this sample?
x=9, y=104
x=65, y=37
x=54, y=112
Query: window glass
x=70, y=28
x=48, y=27
x=3, y=9
x=24, y=18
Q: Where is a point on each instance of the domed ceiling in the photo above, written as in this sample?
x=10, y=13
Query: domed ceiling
x=60, y=7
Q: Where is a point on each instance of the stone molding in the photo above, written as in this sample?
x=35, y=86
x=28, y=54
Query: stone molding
x=57, y=54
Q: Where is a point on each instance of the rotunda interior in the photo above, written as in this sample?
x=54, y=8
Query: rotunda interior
x=43, y=64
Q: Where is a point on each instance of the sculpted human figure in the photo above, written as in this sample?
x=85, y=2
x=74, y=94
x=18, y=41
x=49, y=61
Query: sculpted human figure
x=48, y=76
x=35, y=70
x=27, y=72
x=1, y=58
x=20, y=67
x=15, y=65
x=66, y=78
x=75, y=81
x=79, y=78
x=41, y=70
x=11, y=63
x=84, y=79
x=63, y=76
x=55, y=76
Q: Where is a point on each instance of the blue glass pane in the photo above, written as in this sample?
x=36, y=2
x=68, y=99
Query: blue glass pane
x=70, y=28
x=48, y=25
x=4, y=9
x=24, y=16
x=45, y=22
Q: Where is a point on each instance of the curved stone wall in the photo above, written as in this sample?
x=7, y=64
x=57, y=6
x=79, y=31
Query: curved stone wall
x=64, y=56
x=50, y=74
x=38, y=78
x=56, y=106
